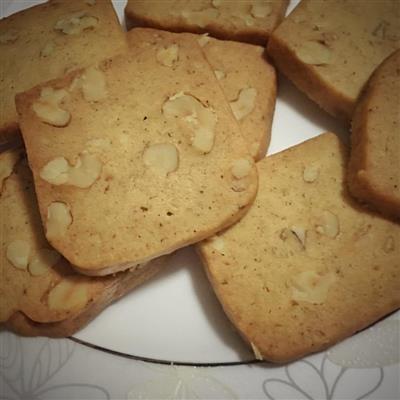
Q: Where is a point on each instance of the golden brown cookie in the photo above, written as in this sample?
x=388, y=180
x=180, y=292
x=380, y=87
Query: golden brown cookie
x=42, y=42
x=136, y=158
x=330, y=48
x=247, y=79
x=40, y=292
x=249, y=21
x=374, y=168
x=306, y=266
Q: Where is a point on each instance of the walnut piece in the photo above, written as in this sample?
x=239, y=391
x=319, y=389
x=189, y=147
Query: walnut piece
x=18, y=253
x=203, y=40
x=162, y=158
x=68, y=295
x=48, y=109
x=75, y=23
x=310, y=173
x=83, y=174
x=168, y=56
x=261, y=10
x=295, y=237
x=219, y=74
x=94, y=85
x=300, y=234
x=328, y=224
x=200, y=119
x=217, y=243
x=244, y=104
x=256, y=352
x=59, y=218
x=7, y=164
x=241, y=168
x=55, y=171
x=42, y=261
x=311, y=286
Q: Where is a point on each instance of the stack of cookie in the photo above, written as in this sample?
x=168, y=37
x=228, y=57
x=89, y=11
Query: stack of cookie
x=132, y=152
x=142, y=143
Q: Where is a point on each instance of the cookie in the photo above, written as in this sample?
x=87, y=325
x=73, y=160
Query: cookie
x=330, y=48
x=306, y=266
x=135, y=158
x=374, y=167
x=249, y=21
x=247, y=79
x=40, y=292
x=42, y=42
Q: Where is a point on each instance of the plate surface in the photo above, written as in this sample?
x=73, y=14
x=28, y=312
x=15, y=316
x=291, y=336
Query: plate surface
x=176, y=317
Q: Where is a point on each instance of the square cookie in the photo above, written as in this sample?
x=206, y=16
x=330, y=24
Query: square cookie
x=374, y=167
x=330, y=48
x=44, y=41
x=306, y=266
x=249, y=21
x=135, y=158
x=40, y=292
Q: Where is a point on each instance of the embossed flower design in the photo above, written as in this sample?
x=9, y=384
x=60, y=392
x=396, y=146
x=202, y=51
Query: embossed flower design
x=304, y=380
x=181, y=382
x=359, y=359
x=25, y=375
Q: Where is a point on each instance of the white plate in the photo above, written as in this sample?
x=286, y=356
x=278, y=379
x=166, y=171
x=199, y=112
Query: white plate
x=176, y=317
